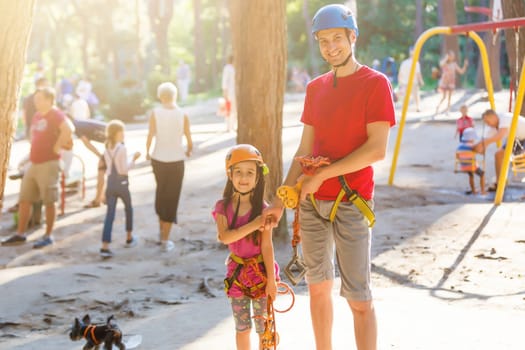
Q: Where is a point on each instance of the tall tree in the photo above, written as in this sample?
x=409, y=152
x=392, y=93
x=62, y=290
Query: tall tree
x=492, y=42
x=311, y=43
x=447, y=17
x=15, y=25
x=259, y=50
x=512, y=9
x=198, y=42
x=419, y=27
x=160, y=14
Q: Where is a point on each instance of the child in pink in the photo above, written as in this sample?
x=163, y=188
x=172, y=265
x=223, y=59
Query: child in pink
x=463, y=122
x=252, y=272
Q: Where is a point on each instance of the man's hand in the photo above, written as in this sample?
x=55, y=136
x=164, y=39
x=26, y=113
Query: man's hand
x=310, y=185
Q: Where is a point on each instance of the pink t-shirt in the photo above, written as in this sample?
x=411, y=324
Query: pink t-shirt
x=464, y=122
x=340, y=115
x=44, y=135
x=244, y=248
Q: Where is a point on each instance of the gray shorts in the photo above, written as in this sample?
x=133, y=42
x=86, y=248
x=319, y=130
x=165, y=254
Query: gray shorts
x=350, y=234
x=40, y=183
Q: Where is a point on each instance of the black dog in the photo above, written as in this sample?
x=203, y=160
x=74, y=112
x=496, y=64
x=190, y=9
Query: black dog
x=97, y=334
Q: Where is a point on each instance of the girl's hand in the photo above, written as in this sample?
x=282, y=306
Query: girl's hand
x=136, y=156
x=271, y=288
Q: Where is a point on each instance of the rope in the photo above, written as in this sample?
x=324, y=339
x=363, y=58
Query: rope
x=270, y=337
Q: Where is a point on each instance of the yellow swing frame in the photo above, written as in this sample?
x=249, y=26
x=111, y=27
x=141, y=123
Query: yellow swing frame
x=468, y=30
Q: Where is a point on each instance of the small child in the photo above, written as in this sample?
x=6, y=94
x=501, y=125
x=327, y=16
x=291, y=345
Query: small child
x=251, y=267
x=467, y=160
x=463, y=122
x=115, y=157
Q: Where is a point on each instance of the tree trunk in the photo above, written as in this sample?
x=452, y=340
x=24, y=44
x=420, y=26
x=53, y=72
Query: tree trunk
x=419, y=19
x=311, y=42
x=199, y=52
x=140, y=60
x=512, y=9
x=15, y=26
x=160, y=14
x=260, y=71
x=447, y=13
x=493, y=44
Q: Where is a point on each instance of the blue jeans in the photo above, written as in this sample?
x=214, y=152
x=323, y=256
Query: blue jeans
x=112, y=194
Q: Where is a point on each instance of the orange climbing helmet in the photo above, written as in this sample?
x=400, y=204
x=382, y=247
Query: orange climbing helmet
x=244, y=152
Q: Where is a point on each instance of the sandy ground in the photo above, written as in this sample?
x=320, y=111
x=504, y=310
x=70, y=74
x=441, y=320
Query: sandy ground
x=447, y=268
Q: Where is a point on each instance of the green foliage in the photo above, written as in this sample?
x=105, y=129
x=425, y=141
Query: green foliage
x=126, y=102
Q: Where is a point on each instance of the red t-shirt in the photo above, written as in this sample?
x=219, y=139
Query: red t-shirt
x=464, y=122
x=339, y=117
x=44, y=135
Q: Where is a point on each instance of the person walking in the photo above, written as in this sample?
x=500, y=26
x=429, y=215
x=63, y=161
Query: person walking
x=168, y=124
x=447, y=82
x=228, y=92
x=183, y=80
x=116, y=158
x=252, y=272
x=50, y=134
x=347, y=117
x=402, y=78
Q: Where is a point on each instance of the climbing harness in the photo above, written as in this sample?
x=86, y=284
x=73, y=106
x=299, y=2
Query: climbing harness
x=289, y=195
x=270, y=337
x=256, y=263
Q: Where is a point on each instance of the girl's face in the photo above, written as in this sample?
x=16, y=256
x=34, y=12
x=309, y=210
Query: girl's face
x=119, y=136
x=244, y=176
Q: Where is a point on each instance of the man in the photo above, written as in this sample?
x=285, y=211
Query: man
x=347, y=117
x=50, y=133
x=501, y=122
x=404, y=74
x=228, y=92
x=28, y=108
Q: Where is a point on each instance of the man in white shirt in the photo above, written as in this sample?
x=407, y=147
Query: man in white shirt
x=79, y=109
x=501, y=122
x=402, y=78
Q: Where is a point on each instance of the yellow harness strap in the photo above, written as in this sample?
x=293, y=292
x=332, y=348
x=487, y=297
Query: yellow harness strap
x=242, y=261
x=354, y=197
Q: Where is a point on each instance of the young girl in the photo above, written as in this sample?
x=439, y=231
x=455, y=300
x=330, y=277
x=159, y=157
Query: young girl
x=447, y=82
x=115, y=157
x=251, y=268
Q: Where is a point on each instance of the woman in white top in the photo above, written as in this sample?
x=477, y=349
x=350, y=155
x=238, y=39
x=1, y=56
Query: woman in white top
x=168, y=124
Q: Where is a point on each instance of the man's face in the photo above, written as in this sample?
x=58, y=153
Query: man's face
x=334, y=44
x=491, y=120
x=42, y=103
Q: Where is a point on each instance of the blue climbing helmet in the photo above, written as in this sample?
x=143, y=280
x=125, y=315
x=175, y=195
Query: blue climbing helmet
x=334, y=16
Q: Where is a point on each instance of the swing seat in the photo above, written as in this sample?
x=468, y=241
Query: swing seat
x=518, y=163
x=465, y=162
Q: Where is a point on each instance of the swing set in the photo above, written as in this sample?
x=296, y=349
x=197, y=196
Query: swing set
x=469, y=30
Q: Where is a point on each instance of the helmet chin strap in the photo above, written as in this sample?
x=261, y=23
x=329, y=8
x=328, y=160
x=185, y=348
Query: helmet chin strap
x=243, y=193
x=341, y=65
